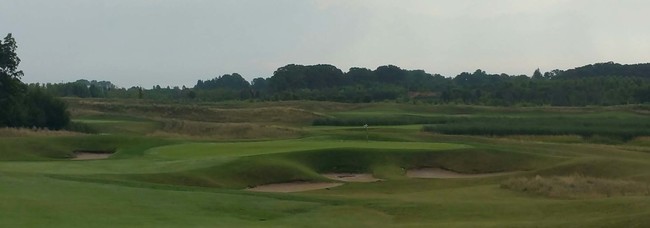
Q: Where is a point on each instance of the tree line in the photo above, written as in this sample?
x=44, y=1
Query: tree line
x=596, y=84
x=21, y=105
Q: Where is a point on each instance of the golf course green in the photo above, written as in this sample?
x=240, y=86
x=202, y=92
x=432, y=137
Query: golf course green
x=415, y=165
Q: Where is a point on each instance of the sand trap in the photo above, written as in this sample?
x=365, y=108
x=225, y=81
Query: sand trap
x=446, y=174
x=352, y=177
x=90, y=156
x=293, y=187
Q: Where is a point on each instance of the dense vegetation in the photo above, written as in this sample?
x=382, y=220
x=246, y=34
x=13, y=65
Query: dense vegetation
x=23, y=106
x=598, y=84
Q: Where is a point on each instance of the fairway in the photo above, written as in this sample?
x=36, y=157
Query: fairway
x=392, y=175
x=198, y=150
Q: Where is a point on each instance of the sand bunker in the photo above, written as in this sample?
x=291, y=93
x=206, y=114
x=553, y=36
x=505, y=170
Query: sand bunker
x=293, y=187
x=79, y=156
x=446, y=174
x=352, y=177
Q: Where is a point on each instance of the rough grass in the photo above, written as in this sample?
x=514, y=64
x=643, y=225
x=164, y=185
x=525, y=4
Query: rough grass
x=615, y=127
x=577, y=186
x=222, y=131
x=26, y=132
x=194, y=112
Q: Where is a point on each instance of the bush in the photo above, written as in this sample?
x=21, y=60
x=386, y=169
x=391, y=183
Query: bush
x=45, y=111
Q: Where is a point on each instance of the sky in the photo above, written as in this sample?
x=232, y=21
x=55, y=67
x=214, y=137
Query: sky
x=177, y=42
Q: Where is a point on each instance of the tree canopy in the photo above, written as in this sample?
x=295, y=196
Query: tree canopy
x=23, y=106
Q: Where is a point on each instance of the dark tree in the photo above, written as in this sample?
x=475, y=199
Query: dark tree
x=537, y=75
x=11, y=89
x=21, y=107
x=390, y=74
x=191, y=94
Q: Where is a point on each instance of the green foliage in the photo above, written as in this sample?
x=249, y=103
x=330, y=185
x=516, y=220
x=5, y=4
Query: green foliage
x=44, y=110
x=229, y=81
x=23, y=107
x=597, y=84
x=80, y=127
x=80, y=88
x=11, y=89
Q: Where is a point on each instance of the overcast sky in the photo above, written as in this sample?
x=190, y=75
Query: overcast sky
x=176, y=42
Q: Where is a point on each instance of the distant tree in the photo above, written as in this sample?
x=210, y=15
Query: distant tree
x=259, y=86
x=537, y=75
x=390, y=74
x=361, y=76
x=232, y=81
x=288, y=78
x=95, y=91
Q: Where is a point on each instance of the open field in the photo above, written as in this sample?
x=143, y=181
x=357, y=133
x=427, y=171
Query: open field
x=194, y=165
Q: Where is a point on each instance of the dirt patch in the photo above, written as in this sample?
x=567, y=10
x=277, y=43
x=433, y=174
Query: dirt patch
x=446, y=174
x=293, y=187
x=352, y=177
x=80, y=156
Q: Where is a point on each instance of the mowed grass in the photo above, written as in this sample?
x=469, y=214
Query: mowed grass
x=163, y=181
x=396, y=203
x=236, y=149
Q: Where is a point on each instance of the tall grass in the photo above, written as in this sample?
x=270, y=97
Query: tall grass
x=215, y=131
x=576, y=186
x=194, y=112
x=28, y=132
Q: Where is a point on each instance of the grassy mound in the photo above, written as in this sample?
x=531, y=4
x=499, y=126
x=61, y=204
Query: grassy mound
x=241, y=173
x=369, y=160
x=577, y=186
x=52, y=148
x=306, y=166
